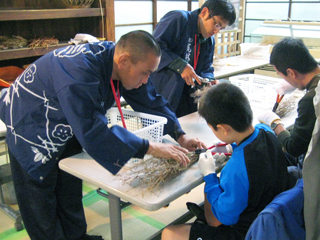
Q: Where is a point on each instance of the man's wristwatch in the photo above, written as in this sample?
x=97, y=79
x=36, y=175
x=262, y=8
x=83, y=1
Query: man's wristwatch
x=275, y=123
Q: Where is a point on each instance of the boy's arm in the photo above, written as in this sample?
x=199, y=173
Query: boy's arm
x=211, y=219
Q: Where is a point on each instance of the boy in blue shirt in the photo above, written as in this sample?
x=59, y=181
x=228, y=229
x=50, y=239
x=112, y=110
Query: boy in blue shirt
x=252, y=177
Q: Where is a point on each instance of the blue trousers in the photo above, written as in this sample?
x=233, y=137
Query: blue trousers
x=52, y=209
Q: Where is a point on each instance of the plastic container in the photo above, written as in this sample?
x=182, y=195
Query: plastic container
x=254, y=50
x=259, y=89
x=146, y=126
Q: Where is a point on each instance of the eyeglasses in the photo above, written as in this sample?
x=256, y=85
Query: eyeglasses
x=217, y=25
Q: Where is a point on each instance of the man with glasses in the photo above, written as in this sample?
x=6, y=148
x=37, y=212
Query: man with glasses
x=187, y=44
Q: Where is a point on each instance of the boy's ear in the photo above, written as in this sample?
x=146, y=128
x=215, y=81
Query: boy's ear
x=224, y=128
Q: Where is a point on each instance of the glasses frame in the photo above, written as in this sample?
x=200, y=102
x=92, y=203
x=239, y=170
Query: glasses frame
x=217, y=25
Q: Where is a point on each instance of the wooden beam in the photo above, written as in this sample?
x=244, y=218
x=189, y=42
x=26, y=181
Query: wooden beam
x=293, y=23
x=110, y=21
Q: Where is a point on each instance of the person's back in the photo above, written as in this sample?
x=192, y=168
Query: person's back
x=259, y=164
x=294, y=63
x=251, y=178
x=257, y=170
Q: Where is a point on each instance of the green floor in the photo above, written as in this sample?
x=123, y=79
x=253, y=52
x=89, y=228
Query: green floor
x=137, y=223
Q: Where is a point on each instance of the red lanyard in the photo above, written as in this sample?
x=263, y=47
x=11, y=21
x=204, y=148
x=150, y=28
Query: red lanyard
x=117, y=98
x=196, y=54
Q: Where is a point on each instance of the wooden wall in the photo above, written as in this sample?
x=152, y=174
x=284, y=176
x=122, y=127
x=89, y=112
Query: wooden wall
x=35, y=4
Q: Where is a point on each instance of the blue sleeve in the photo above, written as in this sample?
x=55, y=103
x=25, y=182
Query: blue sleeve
x=145, y=99
x=80, y=102
x=168, y=34
x=229, y=198
x=265, y=227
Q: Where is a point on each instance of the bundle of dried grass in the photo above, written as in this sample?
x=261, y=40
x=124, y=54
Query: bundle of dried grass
x=43, y=42
x=151, y=173
x=216, y=64
x=289, y=103
x=199, y=92
x=74, y=3
x=12, y=42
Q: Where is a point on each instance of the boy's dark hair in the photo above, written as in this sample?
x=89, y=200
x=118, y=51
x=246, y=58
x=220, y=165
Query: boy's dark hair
x=223, y=8
x=139, y=44
x=226, y=103
x=292, y=53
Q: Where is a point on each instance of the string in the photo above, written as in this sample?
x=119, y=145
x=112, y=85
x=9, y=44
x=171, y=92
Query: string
x=196, y=53
x=117, y=98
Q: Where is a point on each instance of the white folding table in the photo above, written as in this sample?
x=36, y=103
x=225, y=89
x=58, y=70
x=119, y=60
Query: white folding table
x=231, y=66
x=84, y=167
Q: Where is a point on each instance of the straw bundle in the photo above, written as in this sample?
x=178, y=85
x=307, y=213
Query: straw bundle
x=77, y=3
x=151, y=173
x=43, y=42
x=289, y=103
x=12, y=42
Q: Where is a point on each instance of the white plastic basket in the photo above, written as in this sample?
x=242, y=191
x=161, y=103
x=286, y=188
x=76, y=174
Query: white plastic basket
x=259, y=89
x=146, y=126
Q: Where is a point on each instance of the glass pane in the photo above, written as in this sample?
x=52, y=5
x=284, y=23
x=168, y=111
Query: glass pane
x=273, y=29
x=253, y=39
x=267, y=11
x=119, y=31
x=194, y=5
x=271, y=1
x=166, y=6
x=124, y=13
x=303, y=1
x=306, y=34
x=246, y=39
x=305, y=11
x=251, y=25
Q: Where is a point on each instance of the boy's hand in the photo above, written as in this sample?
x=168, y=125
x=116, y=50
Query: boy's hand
x=268, y=118
x=206, y=163
x=219, y=158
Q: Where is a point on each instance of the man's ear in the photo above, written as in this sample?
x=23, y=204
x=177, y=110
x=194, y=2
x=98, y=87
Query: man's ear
x=123, y=60
x=291, y=73
x=205, y=13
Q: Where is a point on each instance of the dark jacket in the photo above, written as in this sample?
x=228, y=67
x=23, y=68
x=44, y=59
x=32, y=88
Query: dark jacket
x=175, y=34
x=65, y=95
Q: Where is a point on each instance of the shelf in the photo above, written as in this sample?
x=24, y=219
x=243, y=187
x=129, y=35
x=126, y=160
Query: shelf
x=15, y=15
x=28, y=52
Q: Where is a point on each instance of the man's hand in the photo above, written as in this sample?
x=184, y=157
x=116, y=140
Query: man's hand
x=189, y=75
x=206, y=163
x=268, y=118
x=283, y=87
x=168, y=151
x=191, y=144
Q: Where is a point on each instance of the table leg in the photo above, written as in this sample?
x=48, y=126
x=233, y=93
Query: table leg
x=115, y=217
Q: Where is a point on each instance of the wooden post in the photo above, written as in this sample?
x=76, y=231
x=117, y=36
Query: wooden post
x=110, y=21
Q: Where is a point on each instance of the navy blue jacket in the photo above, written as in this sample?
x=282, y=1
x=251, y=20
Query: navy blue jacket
x=175, y=34
x=66, y=94
x=282, y=218
x=253, y=176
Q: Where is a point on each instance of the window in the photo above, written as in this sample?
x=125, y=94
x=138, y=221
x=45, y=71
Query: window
x=257, y=11
x=128, y=19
